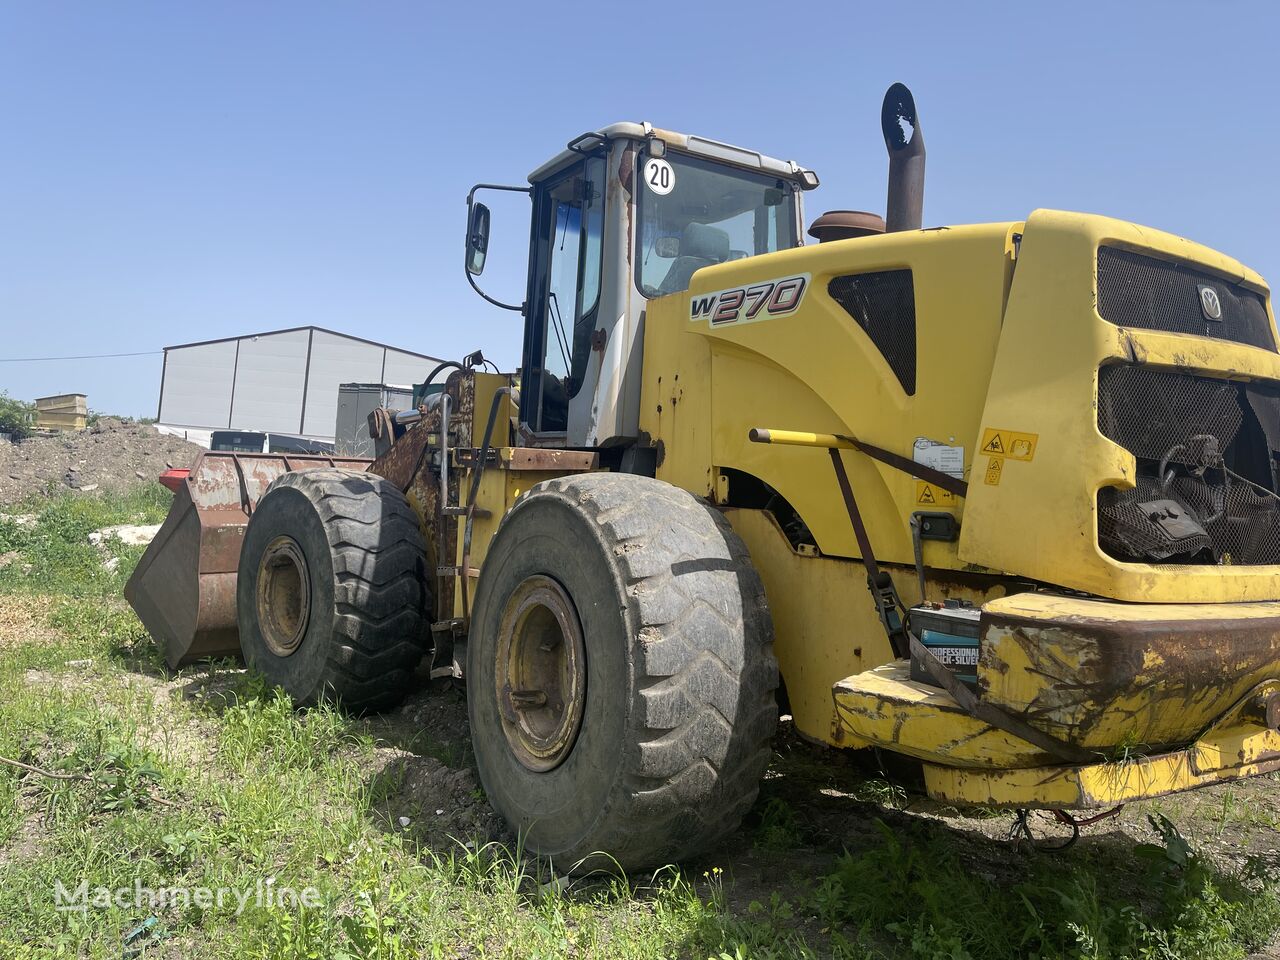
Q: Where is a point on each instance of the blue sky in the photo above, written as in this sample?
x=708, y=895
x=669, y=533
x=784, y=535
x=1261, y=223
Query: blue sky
x=177, y=171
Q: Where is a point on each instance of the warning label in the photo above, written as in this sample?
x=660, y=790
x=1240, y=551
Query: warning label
x=1009, y=443
x=931, y=495
x=995, y=467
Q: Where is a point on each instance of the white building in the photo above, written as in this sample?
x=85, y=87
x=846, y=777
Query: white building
x=282, y=381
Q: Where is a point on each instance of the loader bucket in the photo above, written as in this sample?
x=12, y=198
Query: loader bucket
x=184, y=588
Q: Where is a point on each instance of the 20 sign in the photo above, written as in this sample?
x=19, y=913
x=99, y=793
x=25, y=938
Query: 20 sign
x=760, y=301
x=659, y=176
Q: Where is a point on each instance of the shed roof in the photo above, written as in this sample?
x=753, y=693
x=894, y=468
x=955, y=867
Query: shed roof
x=332, y=333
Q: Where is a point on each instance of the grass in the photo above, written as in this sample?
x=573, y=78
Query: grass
x=274, y=794
x=210, y=780
x=1232, y=809
x=935, y=905
x=53, y=555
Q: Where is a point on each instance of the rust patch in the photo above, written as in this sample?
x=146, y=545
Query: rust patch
x=424, y=486
x=626, y=167
x=1177, y=676
x=626, y=175
x=406, y=455
x=550, y=459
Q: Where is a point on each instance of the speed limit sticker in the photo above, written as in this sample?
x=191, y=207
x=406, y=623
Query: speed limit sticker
x=659, y=176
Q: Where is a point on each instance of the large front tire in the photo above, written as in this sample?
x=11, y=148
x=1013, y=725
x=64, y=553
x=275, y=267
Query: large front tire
x=332, y=596
x=620, y=672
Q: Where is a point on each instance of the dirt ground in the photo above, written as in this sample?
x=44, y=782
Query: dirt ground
x=831, y=800
x=23, y=620
x=422, y=779
x=815, y=802
x=423, y=776
x=111, y=456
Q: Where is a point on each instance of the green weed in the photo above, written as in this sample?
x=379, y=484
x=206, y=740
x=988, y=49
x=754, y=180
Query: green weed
x=915, y=887
x=779, y=829
x=53, y=555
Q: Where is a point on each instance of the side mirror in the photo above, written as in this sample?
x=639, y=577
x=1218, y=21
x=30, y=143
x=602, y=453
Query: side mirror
x=477, y=239
x=668, y=248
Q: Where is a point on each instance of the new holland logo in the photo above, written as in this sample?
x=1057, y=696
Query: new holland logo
x=1210, y=304
x=762, y=301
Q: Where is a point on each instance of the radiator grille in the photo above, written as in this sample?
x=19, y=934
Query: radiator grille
x=1147, y=293
x=1206, y=481
x=884, y=305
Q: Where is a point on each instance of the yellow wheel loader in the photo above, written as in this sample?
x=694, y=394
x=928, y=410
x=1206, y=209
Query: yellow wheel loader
x=1002, y=499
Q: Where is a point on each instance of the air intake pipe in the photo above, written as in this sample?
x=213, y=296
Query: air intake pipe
x=905, y=143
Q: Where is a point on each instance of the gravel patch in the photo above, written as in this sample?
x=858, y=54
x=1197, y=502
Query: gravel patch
x=111, y=456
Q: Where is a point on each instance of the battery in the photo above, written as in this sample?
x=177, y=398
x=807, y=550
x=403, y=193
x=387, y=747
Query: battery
x=950, y=632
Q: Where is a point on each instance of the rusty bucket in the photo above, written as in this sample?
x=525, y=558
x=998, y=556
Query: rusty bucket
x=184, y=588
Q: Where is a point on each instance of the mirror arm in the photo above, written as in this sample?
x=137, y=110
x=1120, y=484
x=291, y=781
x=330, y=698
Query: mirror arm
x=471, y=199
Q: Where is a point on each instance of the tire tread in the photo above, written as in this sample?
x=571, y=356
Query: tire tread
x=705, y=674
x=382, y=596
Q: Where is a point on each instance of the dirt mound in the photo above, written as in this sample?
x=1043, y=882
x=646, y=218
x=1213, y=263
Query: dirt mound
x=109, y=457
x=440, y=807
x=425, y=774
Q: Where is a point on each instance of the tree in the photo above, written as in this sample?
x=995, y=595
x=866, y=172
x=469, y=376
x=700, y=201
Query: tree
x=16, y=416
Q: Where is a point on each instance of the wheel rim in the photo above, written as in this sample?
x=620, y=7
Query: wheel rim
x=284, y=596
x=540, y=673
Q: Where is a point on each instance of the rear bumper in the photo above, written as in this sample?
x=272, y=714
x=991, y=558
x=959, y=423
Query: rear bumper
x=1167, y=696
x=1102, y=674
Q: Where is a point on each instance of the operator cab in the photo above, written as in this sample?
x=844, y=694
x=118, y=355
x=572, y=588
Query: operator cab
x=624, y=215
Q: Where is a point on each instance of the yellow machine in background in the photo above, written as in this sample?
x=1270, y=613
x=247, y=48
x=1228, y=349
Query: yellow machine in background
x=1000, y=498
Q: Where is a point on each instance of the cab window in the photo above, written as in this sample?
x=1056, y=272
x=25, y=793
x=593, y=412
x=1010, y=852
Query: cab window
x=694, y=213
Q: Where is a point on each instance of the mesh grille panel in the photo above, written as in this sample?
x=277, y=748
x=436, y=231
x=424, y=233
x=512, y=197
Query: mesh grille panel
x=1149, y=412
x=1126, y=530
x=1152, y=294
x=1247, y=533
x=884, y=305
x=1206, y=458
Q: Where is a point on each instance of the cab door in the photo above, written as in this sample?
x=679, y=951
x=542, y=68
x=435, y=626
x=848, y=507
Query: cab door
x=564, y=296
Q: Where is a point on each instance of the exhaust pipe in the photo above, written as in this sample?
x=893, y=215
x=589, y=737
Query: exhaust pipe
x=905, y=143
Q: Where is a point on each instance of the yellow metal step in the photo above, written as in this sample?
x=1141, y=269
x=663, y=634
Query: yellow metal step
x=969, y=762
x=885, y=708
x=1231, y=752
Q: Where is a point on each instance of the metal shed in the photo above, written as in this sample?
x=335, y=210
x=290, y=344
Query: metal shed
x=281, y=381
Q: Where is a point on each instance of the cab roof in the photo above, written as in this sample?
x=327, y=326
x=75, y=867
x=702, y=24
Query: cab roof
x=686, y=143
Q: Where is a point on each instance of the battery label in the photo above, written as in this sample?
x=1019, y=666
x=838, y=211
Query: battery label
x=944, y=647
x=956, y=656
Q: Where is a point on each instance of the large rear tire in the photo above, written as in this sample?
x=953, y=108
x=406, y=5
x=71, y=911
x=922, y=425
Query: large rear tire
x=620, y=672
x=333, y=601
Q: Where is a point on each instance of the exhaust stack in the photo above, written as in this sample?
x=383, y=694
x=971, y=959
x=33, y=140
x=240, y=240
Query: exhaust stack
x=905, y=143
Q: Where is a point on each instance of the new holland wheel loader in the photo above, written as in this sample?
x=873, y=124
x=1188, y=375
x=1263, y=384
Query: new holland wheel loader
x=1002, y=499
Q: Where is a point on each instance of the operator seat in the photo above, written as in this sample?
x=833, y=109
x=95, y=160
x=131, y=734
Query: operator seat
x=700, y=246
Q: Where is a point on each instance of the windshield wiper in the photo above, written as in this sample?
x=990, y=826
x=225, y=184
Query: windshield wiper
x=558, y=326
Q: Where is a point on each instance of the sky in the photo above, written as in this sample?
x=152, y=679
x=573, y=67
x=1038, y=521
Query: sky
x=172, y=172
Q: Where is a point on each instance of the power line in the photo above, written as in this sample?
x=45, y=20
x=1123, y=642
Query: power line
x=87, y=356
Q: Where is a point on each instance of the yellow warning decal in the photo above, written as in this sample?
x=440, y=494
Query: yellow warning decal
x=931, y=495
x=995, y=467
x=1008, y=443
